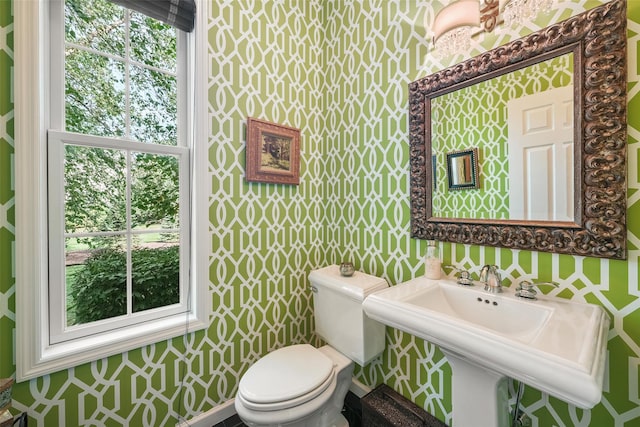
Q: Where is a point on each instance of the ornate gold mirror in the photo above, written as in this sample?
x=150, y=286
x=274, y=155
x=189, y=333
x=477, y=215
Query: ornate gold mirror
x=546, y=117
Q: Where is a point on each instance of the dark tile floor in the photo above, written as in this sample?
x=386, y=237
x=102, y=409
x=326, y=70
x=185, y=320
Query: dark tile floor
x=234, y=421
x=352, y=410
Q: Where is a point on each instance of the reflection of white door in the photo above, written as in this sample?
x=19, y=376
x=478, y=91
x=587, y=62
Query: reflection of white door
x=540, y=146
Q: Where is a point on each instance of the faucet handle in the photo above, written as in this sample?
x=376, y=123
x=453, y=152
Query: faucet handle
x=526, y=288
x=464, y=277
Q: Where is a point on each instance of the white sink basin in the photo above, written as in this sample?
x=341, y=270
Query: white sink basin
x=483, y=310
x=555, y=345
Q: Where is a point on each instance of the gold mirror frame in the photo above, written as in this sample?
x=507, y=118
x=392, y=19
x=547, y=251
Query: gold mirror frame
x=598, y=40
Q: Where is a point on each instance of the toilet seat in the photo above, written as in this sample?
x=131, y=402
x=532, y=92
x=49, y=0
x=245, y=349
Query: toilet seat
x=286, y=378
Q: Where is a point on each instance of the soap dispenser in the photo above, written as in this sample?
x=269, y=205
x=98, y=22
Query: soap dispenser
x=432, y=261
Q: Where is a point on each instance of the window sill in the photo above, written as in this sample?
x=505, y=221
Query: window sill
x=72, y=353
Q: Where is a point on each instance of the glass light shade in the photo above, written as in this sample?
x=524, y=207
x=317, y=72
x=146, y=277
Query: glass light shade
x=461, y=13
x=523, y=11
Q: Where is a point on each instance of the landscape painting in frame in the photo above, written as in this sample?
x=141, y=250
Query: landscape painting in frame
x=273, y=152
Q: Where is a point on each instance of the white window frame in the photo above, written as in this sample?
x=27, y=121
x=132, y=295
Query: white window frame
x=36, y=354
x=58, y=327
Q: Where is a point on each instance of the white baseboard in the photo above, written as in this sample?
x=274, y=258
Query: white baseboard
x=212, y=417
x=227, y=409
x=358, y=388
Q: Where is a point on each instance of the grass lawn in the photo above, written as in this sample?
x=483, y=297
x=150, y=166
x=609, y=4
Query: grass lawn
x=73, y=244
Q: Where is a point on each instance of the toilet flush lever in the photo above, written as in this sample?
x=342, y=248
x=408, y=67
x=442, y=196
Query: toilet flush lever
x=313, y=289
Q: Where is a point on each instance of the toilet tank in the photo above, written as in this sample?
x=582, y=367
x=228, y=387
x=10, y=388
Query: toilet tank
x=339, y=316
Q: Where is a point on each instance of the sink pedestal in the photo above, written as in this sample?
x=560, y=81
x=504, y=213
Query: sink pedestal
x=480, y=396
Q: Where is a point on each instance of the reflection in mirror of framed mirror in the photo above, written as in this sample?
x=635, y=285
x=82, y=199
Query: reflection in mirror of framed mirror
x=573, y=191
x=462, y=169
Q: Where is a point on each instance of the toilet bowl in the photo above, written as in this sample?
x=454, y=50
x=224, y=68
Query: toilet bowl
x=296, y=386
x=301, y=385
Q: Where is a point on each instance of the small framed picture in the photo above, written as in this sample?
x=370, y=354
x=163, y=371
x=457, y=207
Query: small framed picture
x=462, y=169
x=273, y=153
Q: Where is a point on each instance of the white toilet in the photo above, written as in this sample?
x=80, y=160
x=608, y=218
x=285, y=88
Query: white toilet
x=300, y=385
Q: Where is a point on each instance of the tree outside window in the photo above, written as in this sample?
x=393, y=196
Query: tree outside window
x=121, y=206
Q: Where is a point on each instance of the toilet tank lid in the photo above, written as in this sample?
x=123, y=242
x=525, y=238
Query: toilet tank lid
x=356, y=287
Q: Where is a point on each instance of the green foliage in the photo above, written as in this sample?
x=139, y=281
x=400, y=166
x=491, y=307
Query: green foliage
x=109, y=93
x=99, y=289
x=155, y=190
x=95, y=189
x=112, y=95
x=121, y=82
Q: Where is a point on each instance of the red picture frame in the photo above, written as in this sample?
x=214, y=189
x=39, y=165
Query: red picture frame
x=272, y=153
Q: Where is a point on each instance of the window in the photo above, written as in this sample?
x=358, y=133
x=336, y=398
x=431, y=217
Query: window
x=118, y=232
x=118, y=196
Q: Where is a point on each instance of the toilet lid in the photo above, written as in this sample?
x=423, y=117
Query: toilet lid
x=286, y=374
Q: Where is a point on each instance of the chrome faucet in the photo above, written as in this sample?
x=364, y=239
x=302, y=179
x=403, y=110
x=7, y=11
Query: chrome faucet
x=490, y=276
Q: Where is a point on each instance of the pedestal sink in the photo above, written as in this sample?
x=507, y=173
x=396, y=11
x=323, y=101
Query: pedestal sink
x=555, y=345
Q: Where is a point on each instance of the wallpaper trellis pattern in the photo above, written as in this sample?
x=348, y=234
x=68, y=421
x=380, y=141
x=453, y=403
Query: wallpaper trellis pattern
x=337, y=69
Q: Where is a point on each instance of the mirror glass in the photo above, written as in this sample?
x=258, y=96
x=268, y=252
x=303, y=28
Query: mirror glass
x=483, y=168
x=521, y=124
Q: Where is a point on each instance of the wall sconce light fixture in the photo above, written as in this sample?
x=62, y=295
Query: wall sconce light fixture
x=452, y=26
x=457, y=22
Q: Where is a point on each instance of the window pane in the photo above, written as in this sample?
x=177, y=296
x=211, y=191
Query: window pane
x=153, y=43
x=153, y=107
x=96, y=24
x=96, y=279
x=94, y=94
x=154, y=191
x=95, y=189
x=156, y=276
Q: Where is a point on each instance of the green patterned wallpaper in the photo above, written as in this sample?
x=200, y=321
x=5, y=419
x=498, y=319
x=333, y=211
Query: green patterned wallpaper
x=339, y=70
